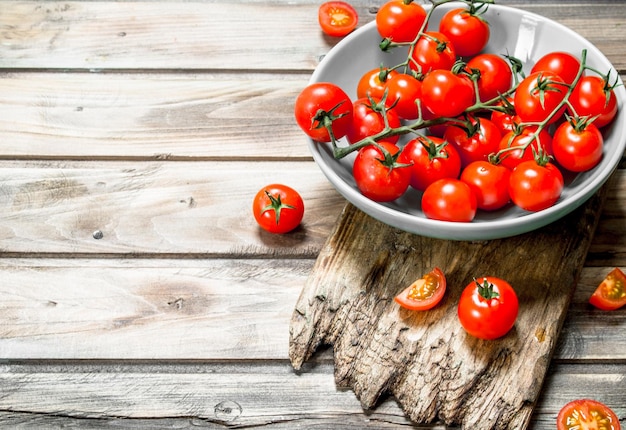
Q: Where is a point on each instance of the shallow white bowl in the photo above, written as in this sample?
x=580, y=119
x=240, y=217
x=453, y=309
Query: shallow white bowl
x=526, y=36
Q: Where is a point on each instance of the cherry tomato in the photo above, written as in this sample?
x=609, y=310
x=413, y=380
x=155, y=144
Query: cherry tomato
x=377, y=178
x=425, y=293
x=562, y=64
x=278, y=208
x=538, y=95
x=535, y=186
x=496, y=76
x=611, y=293
x=402, y=92
x=446, y=94
x=449, y=199
x=321, y=103
x=432, y=51
x=400, y=21
x=337, y=18
x=373, y=83
x=489, y=182
x=431, y=159
x=488, y=308
x=593, y=97
x=468, y=32
x=587, y=414
x=577, y=145
x=518, y=146
x=477, y=142
x=368, y=120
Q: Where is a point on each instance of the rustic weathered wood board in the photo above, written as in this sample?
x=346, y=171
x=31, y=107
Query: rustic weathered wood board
x=425, y=359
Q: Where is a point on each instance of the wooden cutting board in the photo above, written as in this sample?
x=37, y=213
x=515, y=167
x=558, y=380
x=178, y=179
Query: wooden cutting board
x=436, y=371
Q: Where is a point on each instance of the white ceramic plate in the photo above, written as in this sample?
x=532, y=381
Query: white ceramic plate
x=524, y=35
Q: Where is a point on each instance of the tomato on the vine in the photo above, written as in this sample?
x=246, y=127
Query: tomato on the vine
x=587, y=414
x=379, y=177
x=425, y=293
x=593, y=97
x=337, y=18
x=506, y=119
x=475, y=141
x=322, y=104
x=535, y=185
x=402, y=92
x=468, y=32
x=278, y=208
x=577, y=145
x=368, y=119
x=489, y=182
x=433, y=51
x=522, y=145
x=431, y=158
x=449, y=199
x=495, y=75
x=538, y=96
x=447, y=94
x=611, y=293
x=488, y=308
x=373, y=83
x=560, y=63
x=399, y=20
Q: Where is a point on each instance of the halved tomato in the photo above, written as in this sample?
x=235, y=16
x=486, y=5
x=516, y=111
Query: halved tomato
x=586, y=414
x=611, y=293
x=424, y=293
x=337, y=18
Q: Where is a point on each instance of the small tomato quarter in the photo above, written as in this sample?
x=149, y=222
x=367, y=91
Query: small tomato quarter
x=488, y=308
x=587, y=414
x=611, y=293
x=425, y=293
x=337, y=18
x=278, y=208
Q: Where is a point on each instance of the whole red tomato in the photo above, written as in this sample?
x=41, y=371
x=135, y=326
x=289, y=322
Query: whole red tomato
x=321, y=106
x=399, y=20
x=431, y=159
x=402, y=92
x=560, y=63
x=368, y=120
x=489, y=182
x=433, y=51
x=587, y=414
x=446, y=94
x=538, y=96
x=475, y=141
x=449, y=199
x=379, y=177
x=373, y=83
x=468, y=32
x=278, y=208
x=495, y=75
x=522, y=145
x=488, y=308
x=577, y=145
x=534, y=186
x=594, y=97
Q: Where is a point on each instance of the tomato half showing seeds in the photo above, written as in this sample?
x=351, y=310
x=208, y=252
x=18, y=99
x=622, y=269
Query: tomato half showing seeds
x=337, y=18
x=278, y=208
x=587, y=414
x=611, y=293
x=488, y=308
x=424, y=293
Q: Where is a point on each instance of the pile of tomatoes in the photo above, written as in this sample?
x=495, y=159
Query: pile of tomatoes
x=483, y=133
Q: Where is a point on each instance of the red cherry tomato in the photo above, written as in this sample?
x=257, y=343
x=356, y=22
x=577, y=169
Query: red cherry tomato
x=468, y=32
x=496, y=76
x=489, y=182
x=432, y=51
x=534, y=186
x=449, y=200
x=577, y=146
x=488, y=308
x=446, y=94
x=587, y=414
x=593, y=97
x=475, y=143
x=278, y=208
x=368, y=120
x=516, y=147
x=373, y=83
x=377, y=178
x=329, y=99
x=431, y=159
x=611, y=293
x=337, y=18
x=425, y=293
x=538, y=96
x=400, y=21
x=402, y=92
x=562, y=64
